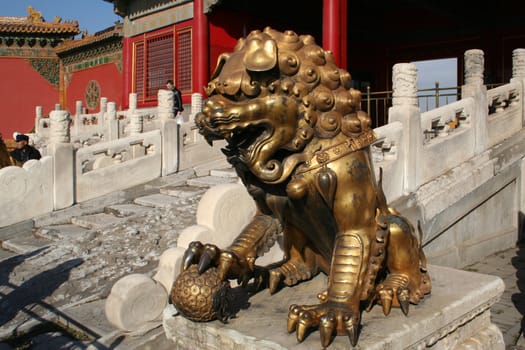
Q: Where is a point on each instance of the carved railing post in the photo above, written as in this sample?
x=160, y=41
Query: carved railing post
x=405, y=109
x=103, y=110
x=77, y=118
x=474, y=87
x=165, y=104
x=518, y=74
x=63, y=159
x=171, y=144
x=38, y=121
x=59, y=127
x=111, y=122
x=135, y=119
x=474, y=67
x=518, y=63
x=196, y=107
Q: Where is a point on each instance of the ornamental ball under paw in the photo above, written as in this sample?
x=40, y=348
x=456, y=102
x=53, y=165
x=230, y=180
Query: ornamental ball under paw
x=192, y=293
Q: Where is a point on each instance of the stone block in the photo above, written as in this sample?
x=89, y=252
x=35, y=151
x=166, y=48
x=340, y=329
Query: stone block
x=455, y=316
x=135, y=303
x=196, y=233
x=170, y=263
x=226, y=210
x=96, y=221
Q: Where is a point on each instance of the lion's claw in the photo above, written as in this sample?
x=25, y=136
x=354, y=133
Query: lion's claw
x=193, y=252
x=330, y=318
x=326, y=328
x=395, y=291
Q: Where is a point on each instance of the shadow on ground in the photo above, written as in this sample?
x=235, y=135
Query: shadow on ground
x=32, y=292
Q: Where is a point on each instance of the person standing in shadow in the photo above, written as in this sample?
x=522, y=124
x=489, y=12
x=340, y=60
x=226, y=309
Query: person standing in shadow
x=23, y=151
x=177, y=101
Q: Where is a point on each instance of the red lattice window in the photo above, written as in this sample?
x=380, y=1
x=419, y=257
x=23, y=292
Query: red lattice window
x=138, y=79
x=159, y=64
x=184, y=61
x=157, y=58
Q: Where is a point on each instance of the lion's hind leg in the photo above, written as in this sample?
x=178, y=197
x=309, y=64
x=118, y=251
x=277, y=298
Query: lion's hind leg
x=407, y=280
x=300, y=264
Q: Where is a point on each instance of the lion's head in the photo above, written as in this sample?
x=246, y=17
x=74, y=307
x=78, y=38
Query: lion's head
x=273, y=96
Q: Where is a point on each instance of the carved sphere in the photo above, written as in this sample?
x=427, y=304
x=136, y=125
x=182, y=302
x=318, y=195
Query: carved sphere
x=192, y=293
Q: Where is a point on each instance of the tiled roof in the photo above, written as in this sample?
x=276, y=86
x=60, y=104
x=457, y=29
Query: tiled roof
x=111, y=32
x=35, y=24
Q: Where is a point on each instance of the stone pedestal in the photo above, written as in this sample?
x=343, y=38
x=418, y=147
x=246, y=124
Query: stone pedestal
x=455, y=316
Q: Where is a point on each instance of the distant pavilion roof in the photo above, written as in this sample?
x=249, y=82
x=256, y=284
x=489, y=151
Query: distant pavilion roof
x=34, y=24
x=108, y=34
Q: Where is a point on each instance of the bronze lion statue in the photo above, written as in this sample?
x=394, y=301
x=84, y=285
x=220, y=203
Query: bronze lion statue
x=300, y=143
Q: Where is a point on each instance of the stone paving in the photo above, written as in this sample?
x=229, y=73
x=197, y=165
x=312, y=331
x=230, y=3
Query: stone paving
x=64, y=268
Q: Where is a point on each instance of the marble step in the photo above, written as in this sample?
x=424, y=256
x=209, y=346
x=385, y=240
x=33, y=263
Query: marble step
x=158, y=200
x=61, y=232
x=25, y=244
x=96, y=221
x=226, y=172
x=182, y=191
x=210, y=181
x=126, y=210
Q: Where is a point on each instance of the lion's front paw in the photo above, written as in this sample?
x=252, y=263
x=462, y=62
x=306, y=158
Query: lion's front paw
x=229, y=265
x=331, y=318
x=397, y=290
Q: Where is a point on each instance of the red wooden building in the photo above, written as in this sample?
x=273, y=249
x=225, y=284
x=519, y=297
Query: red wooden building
x=182, y=39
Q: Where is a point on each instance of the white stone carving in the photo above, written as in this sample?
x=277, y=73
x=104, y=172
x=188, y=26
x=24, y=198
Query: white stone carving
x=165, y=104
x=474, y=66
x=518, y=63
x=404, y=84
x=135, y=123
x=135, y=302
x=59, y=128
x=132, y=101
x=196, y=105
x=170, y=264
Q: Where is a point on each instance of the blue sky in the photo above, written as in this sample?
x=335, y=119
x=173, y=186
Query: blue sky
x=93, y=15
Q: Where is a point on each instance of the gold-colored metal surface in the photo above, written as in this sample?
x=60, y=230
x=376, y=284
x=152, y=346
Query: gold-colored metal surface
x=300, y=144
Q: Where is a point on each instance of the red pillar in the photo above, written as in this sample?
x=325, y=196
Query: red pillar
x=331, y=28
x=126, y=72
x=201, y=40
x=343, y=63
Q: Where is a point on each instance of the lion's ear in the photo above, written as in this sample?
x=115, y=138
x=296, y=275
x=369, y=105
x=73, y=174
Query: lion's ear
x=220, y=64
x=260, y=57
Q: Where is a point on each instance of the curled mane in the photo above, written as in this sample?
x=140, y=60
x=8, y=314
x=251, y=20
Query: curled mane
x=303, y=70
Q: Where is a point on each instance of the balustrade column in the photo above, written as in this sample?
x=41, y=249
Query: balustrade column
x=518, y=74
x=196, y=107
x=38, y=120
x=405, y=109
x=62, y=152
x=474, y=67
x=518, y=63
x=103, y=110
x=59, y=128
x=135, y=119
x=77, y=118
x=474, y=87
x=170, y=132
x=112, y=122
x=165, y=104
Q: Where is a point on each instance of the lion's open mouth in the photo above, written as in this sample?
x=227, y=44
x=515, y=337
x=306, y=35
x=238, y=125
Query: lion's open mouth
x=246, y=141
